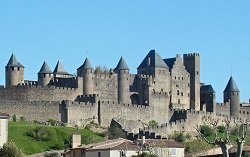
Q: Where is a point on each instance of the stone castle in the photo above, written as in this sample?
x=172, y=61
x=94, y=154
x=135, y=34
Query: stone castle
x=168, y=91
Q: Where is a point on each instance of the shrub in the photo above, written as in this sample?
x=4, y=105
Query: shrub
x=221, y=129
x=14, y=118
x=115, y=131
x=68, y=142
x=40, y=133
x=57, y=146
x=10, y=150
x=152, y=123
x=206, y=130
x=22, y=119
x=52, y=122
x=179, y=137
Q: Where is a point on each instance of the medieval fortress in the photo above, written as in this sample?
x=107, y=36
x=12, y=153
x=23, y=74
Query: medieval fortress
x=168, y=91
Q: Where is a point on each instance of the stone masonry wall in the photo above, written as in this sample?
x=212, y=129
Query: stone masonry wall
x=39, y=93
x=80, y=113
x=109, y=110
x=106, y=87
x=34, y=110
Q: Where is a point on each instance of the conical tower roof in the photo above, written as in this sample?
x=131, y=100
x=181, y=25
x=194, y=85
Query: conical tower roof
x=231, y=86
x=13, y=62
x=86, y=65
x=122, y=65
x=45, y=69
x=154, y=60
x=59, y=69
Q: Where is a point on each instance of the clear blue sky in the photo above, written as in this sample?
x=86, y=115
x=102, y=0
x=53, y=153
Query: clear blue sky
x=63, y=30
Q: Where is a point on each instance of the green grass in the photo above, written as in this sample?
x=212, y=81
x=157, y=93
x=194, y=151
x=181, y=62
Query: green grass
x=28, y=145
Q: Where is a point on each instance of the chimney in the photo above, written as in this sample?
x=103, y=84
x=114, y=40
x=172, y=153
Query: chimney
x=76, y=141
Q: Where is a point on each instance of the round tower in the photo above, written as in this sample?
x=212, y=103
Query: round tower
x=122, y=71
x=86, y=71
x=14, y=72
x=232, y=95
x=44, y=75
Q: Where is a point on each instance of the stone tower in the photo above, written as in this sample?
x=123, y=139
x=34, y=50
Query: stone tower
x=122, y=71
x=86, y=71
x=232, y=95
x=14, y=72
x=59, y=71
x=44, y=75
x=192, y=65
x=208, y=97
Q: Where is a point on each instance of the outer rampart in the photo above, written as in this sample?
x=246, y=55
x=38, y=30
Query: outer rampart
x=39, y=93
x=34, y=110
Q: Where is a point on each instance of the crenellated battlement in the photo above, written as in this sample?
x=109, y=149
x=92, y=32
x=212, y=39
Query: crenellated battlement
x=144, y=77
x=69, y=104
x=36, y=86
x=105, y=76
x=193, y=112
x=165, y=126
x=131, y=106
x=92, y=98
x=190, y=55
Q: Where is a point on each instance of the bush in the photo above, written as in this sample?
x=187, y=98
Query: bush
x=10, y=150
x=152, y=123
x=115, y=131
x=57, y=146
x=14, y=118
x=40, y=133
x=52, y=122
x=221, y=129
x=206, y=130
x=179, y=137
x=22, y=119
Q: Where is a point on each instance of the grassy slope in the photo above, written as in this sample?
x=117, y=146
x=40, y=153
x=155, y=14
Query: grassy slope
x=17, y=133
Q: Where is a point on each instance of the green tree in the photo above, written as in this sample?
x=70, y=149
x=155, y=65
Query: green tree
x=10, y=150
x=14, y=118
x=152, y=123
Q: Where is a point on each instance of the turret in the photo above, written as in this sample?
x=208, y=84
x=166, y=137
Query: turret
x=44, y=75
x=59, y=71
x=14, y=72
x=192, y=65
x=232, y=95
x=86, y=71
x=122, y=71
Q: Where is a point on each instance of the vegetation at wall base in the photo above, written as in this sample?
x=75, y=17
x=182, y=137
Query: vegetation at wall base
x=18, y=133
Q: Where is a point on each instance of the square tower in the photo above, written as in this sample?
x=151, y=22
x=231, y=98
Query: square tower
x=192, y=65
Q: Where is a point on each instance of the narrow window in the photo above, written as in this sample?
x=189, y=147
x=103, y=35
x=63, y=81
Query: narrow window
x=99, y=154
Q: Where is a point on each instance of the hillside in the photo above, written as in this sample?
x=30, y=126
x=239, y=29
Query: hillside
x=58, y=138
